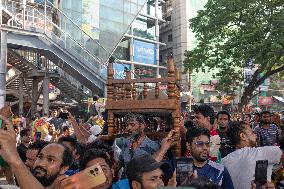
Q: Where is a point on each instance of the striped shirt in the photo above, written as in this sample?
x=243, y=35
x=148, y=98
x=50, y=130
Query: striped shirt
x=269, y=136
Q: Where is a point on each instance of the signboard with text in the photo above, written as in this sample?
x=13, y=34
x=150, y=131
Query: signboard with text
x=144, y=52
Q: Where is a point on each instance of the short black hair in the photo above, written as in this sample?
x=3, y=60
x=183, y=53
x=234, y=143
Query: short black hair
x=247, y=114
x=70, y=139
x=234, y=131
x=38, y=145
x=99, y=144
x=91, y=154
x=24, y=132
x=265, y=112
x=196, y=132
x=74, y=143
x=256, y=113
x=140, y=118
x=206, y=111
x=223, y=112
x=188, y=124
x=65, y=128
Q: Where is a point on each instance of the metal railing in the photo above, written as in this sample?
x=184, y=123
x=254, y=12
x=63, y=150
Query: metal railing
x=47, y=19
x=43, y=63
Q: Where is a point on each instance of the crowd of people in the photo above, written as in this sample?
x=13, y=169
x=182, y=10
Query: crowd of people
x=66, y=152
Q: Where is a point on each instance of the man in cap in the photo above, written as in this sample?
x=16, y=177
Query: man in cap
x=145, y=172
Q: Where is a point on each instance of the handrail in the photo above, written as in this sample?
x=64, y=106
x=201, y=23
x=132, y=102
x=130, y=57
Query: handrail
x=37, y=14
x=48, y=63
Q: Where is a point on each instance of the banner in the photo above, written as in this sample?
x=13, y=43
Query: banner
x=144, y=52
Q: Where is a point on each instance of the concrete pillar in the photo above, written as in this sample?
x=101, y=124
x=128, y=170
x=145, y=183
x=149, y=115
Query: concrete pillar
x=34, y=96
x=3, y=67
x=21, y=95
x=45, y=95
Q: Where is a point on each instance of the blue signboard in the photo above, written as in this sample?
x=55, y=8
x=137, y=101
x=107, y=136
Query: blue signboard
x=118, y=70
x=144, y=52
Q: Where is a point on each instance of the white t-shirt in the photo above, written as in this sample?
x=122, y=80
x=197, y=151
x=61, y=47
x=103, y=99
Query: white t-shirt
x=241, y=163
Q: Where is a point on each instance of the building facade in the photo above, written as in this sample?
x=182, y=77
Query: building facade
x=177, y=35
x=139, y=50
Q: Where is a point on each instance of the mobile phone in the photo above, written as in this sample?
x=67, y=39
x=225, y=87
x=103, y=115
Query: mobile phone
x=88, y=178
x=260, y=173
x=184, y=169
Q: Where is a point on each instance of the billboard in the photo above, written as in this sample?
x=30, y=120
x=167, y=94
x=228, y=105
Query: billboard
x=144, y=52
x=118, y=70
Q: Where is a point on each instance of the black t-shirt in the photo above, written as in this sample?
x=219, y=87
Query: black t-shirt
x=22, y=149
x=226, y=145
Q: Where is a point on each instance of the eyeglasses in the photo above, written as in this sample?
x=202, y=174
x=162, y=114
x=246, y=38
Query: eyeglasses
x=200, y=144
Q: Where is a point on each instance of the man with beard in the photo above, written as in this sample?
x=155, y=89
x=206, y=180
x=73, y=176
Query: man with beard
x=32, y=152
x=241, y=163
x=53, y=160
x=91, y=157
x=267, y=133
x=204, y=117
x=223, y=119
x=198, y=142
x=139, y=144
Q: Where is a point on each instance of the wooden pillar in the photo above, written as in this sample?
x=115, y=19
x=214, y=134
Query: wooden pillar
x=171, y=78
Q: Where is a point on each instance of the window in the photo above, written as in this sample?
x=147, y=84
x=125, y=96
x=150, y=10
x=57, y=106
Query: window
x=170, y=38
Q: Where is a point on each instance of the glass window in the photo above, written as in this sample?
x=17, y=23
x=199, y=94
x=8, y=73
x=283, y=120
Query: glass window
x=122, y=51
x=144, y=27
x=170, y=38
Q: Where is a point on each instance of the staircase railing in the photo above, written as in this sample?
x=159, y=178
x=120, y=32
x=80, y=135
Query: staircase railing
x=50, y=67
x=58, y=27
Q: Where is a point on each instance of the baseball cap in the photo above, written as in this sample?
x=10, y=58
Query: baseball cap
x=143, y=164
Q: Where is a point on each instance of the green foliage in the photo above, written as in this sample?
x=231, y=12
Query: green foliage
x=230, y=33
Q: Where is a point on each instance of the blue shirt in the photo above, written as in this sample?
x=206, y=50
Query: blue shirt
x=216, y=173
x=147, y=147
x=121, y=184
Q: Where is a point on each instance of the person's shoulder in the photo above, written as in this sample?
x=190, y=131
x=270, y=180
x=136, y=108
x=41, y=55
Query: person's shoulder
x=217, y=166
x=273, y=126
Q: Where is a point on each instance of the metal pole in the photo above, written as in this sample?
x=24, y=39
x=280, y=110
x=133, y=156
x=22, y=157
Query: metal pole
x=3, y=69
x=21, y=95
x=45, y=95
x=45, y=16
x=24, y=13
x=34, y=96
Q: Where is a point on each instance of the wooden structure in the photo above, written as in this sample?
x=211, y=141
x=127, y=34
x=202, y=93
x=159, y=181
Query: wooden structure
x=144, y=96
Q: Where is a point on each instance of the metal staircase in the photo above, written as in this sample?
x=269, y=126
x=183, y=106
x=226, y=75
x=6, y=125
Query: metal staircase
x=33, y=26
x=38, y=65
x=45, y=28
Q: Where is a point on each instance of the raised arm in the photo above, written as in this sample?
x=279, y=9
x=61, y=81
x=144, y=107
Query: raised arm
x=9, y=153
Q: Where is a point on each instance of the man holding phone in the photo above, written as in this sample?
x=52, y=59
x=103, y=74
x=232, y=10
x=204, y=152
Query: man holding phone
x=198, y=142
x=53, y=160
x=242, y=162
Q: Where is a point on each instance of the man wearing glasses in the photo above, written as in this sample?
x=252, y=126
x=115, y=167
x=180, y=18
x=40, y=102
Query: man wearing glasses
x=198, y=142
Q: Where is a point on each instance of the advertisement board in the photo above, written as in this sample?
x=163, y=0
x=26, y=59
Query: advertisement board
x=144, y=52
x=118, y=70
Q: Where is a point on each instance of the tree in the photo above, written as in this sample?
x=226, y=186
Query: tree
x=232, y=33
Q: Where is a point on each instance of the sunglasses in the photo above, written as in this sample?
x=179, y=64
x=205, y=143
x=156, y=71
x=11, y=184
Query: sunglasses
x=200, y=144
